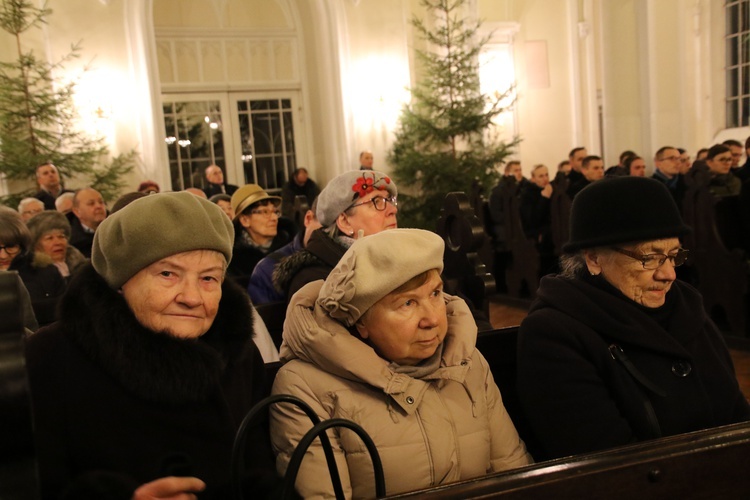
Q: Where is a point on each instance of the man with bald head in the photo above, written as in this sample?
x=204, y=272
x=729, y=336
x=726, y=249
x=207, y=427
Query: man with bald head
x=88, y=212
x=216, y=184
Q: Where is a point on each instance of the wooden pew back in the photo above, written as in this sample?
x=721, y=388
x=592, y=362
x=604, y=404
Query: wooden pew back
x=464, y=235
x=707, y=464
x=722, y=273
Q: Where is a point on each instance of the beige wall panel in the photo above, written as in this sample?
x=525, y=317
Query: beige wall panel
x=260, y=63
x=544, y=115
x=238, y=66
x=212, y=58
x=220, y=14
x=185, y=13
x=164, y=59
x=625, y=69
x=284, y=59
x=187, y=61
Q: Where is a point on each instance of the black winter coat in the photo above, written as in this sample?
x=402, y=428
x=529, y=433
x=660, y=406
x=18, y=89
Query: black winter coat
x=314, y=262
x=43, y=281
x=597, y=370
x=117, y=405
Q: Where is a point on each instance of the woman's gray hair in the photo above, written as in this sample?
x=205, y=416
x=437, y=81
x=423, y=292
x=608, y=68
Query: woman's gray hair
x=43, y=223
x=572, y=265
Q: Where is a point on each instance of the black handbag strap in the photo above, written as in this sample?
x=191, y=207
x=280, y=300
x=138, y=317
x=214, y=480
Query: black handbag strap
x=320, y=430
x=238, y=457
x=618, y=354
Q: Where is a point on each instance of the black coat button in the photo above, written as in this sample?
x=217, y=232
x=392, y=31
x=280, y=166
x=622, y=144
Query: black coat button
x=681, y=368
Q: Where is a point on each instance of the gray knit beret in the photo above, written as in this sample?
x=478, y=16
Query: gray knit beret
x=154, y=227
x=376, y=265
x=344, y=190
x=47, y=221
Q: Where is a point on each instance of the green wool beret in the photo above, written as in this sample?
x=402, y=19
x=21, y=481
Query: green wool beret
x=157, y=226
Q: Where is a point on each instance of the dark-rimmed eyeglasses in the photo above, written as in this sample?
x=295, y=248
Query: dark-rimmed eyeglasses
x=379, y=202
x=653, y=261
x=10, y=249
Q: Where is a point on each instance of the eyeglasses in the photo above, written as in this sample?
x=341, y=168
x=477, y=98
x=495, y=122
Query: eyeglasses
x=10, y=249
x=670, y=158
x=378, y=202
x=265, y=212
x=653, y=261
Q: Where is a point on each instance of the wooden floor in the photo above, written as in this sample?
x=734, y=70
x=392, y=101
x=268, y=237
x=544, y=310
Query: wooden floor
x=508, y=312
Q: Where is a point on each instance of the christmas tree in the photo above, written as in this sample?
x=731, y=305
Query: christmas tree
x=38, y=118
x=446, y=138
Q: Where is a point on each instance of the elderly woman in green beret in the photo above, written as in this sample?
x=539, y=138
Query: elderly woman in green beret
x=615, y=349
x=138, y=390
x=381, y=344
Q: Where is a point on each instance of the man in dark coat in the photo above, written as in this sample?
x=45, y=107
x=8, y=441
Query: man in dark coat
x=50, y=186
x=142, y=384
x=536, y=217
x=216, y=184
x=88, y=212
x=667, y=171
x=299, y=185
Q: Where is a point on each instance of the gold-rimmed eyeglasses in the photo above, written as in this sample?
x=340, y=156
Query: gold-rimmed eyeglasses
x=265, y=212
x=379, y=202
x=653, y=261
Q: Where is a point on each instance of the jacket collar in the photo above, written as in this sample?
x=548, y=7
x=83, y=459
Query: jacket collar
x=312, y=336
x=619, y=319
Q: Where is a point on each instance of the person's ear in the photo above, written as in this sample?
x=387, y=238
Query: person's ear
x=309, y=216
x=362, y=329
x=344, y=225
x=244, y=220
x=593, y=261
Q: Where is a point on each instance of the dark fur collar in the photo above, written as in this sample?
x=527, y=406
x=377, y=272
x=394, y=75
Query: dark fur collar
x=288, y=268
x=153, y=365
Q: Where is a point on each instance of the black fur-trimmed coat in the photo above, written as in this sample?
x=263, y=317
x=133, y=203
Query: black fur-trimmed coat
x=117, y=405
x=313, y=263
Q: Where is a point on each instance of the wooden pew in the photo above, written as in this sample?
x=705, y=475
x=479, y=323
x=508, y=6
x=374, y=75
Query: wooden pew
x=560, y=204
x=18, y=475
x=463, y=234
x=707, y=464
x=524, y=264
x=722, y=273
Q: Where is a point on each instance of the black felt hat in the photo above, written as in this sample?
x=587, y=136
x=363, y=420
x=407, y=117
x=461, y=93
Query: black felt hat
x=623, y=209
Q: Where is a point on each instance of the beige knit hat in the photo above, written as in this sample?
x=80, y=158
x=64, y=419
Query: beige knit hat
x=376, y=265
x=154, y=227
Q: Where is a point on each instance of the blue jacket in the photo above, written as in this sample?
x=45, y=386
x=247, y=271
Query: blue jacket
x=261, y=287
